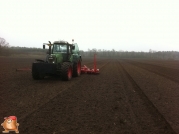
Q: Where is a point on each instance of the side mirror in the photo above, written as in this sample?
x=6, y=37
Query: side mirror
x=43, y=46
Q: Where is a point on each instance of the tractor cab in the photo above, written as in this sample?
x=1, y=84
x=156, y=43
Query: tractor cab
x=59, y=48
x=62, y=47
x=59, y=51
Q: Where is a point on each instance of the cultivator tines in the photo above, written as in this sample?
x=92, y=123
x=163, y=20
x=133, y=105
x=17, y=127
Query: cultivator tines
x=87, y=70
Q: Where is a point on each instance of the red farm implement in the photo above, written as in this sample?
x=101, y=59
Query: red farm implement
x=87, y=70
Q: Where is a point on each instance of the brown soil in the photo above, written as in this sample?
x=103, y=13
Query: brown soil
x=128, y=96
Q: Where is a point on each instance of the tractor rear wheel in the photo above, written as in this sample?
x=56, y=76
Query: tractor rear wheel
x=66, y=71
x=77, y=69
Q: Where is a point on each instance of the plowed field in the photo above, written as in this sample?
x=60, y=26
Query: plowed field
x=128, y=96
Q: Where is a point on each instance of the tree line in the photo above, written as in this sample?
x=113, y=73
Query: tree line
x=6, y=50
x=131, y=54
x=166, y=55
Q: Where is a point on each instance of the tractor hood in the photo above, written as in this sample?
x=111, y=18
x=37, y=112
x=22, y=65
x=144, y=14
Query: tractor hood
x=51, y=58
x=56, y=58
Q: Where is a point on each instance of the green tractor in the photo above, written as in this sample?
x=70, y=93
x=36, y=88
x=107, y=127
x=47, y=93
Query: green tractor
x=62, y=59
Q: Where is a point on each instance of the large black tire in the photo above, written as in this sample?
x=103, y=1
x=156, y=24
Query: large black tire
x=77, y=69
x=66, y=71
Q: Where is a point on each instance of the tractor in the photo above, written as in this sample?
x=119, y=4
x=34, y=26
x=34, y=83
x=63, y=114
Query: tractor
x=62, y=59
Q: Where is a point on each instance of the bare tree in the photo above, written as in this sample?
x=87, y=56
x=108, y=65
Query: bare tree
x=3, y=43
x=4, y=47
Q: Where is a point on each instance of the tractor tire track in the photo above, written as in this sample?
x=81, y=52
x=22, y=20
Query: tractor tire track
x=28, y=94
x=88, y=108
x=104, y=104
x=158, y=118
x=71, y=85
x=129, y=105
x=169, y=73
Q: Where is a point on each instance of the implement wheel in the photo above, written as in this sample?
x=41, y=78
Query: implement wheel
x=66, y=71
x=77, y=69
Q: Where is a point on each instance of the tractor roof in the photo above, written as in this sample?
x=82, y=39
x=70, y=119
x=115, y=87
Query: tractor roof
x=61, y=42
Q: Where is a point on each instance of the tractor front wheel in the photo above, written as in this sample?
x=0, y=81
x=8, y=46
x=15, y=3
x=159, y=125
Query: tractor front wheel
x=66, y=71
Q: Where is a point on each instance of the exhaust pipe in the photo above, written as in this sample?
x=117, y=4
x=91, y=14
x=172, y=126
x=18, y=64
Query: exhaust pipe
x=50, y=47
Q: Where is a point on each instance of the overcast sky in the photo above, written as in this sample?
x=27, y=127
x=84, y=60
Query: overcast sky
x=129, y=25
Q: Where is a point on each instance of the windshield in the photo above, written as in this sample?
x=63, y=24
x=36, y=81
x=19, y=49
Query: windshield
x=59, y=48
